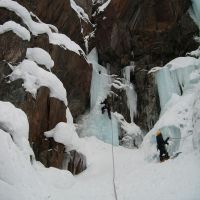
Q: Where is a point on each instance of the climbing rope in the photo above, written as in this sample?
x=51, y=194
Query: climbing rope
x=113, y=164
x=181, y=138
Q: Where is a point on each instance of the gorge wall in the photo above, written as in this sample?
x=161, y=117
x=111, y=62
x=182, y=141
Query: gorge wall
x=150, y=33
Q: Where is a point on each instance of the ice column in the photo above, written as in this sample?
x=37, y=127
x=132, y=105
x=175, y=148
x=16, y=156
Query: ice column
x=195, y=12
x=95, y=123
x=130, y=92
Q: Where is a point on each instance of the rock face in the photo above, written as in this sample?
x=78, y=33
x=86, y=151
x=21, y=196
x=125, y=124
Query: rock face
x=151, y=33
x=77, y=162
x=74, y=71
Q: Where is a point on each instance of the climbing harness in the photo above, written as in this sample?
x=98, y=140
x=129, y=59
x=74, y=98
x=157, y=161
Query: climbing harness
x=113, y=164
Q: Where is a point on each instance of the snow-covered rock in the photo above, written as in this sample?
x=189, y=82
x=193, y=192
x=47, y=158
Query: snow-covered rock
x=34, y=77
x=40, y=56
x=16, y=28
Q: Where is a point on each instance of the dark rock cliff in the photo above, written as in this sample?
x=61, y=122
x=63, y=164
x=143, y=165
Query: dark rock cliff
x=150, y=33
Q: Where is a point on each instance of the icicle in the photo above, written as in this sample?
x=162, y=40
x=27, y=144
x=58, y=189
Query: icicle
x=130, y=91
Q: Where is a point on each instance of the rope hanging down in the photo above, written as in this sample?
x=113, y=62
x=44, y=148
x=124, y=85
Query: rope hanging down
x=113, y=164
x=181, y=138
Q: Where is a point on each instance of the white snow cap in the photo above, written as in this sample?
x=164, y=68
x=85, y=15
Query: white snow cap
x=34, y=77
x=16, y=28
x=40, y=56
x=37, y=28
x=14, y=121
x=64, y=133
x=182, y=62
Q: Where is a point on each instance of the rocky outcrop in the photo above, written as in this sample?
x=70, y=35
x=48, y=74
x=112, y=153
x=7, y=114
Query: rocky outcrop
x=44, y=112
x=77, y=162
x=151, y=33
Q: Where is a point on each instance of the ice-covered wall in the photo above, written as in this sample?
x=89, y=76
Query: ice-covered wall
x=178, y=86
x=174, y=78
x=95, y=123
x=100, y=85
x=195, y=11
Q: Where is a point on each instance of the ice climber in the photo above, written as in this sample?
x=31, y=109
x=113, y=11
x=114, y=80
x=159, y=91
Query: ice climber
x=161, y=146
x=106, y=106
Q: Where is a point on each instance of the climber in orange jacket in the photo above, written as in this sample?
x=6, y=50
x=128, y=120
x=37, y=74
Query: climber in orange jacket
x=161, y=146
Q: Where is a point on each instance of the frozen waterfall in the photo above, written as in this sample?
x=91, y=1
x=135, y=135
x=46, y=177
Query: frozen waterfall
x=178, y=85
x=130, y=91
x=95, y=123
x=175, y=78
x=195, y=11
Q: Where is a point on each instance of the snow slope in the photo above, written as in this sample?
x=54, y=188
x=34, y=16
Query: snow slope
x=177, y=179
x=136, y=178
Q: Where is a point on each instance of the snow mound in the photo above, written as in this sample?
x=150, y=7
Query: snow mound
x=54, y=177
x=21, y=179
x=16, y=28
x=40, y=56
x=195, y=53
x=34, y=77
x=37, y=28
x=15, y=122
x=64, y=133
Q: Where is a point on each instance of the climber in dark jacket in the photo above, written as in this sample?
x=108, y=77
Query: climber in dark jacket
x=161, y=146
x=106, y=106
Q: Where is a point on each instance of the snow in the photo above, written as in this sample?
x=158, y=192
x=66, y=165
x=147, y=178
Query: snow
x=182, y=62
x=34, y=77
x=64, y=133
x=19, y=30
x=65, y=42
x=86, y=40
x=138, y=173
x=195, y=53
x=19, y=179
x=15, y=122
x=129, y=128
x=131, y=136
x=103, y=7
x=154, y=69
x=37, y=28
x=134, y=175
x=69, y=116
x=80, y=12
x=40, y=56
